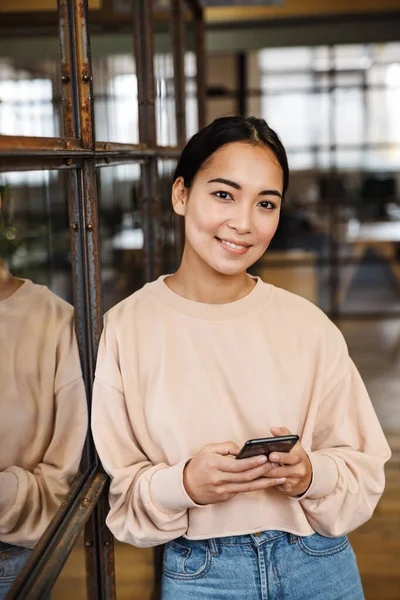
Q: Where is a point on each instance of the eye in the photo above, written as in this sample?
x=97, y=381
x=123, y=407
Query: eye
x=267, y=204
x=223, y=195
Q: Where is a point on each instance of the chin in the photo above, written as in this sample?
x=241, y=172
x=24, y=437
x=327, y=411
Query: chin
x=231, y=270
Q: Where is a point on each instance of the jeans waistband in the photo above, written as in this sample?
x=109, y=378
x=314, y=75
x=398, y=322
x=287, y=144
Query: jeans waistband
x=258, y=538
x=10, y=547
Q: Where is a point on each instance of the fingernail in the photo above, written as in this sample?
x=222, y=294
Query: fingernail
x=273, y=457
x=273, y=465
x=281, y=480
x=262, y=460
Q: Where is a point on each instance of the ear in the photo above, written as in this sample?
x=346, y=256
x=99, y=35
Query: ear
x=179, y=196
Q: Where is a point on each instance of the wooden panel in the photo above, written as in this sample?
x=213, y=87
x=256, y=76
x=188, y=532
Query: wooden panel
x=299, y=8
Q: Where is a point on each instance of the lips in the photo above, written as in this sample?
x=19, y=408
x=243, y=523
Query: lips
x=233, y=247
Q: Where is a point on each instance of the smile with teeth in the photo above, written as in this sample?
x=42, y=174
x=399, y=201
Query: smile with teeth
x=232, y=245
x=235, y=247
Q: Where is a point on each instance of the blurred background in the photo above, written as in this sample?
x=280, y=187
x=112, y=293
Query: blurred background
x=327, y=78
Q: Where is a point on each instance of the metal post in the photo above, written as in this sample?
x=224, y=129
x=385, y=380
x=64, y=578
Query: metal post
x=241, y=83
x=201, y=68
x=151, y=219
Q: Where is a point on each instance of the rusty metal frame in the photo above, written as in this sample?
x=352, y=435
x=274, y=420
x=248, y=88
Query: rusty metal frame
x=67, y=89
x=80, y=155
x=201, y=66
x=178, y=42
x=35, y=583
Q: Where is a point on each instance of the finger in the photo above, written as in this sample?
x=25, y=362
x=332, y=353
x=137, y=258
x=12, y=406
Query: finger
x=285, y=458
x=276, y=431
x=278, y=472
x=237, y=466
x=224, y=448
x=252, y=486
x=249, y=475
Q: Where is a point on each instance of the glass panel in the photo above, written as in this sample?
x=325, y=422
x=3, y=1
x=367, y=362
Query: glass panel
x=352, y=56
x=383, y=160
x=354, y=78
x=321, y=58
x=383, y=115
x=389, y=52
x=43, y=410
x=300, y=119
x=299, y=161
x=121, y=233
x=73, y=575
x=322, y=80
x=115, y=88
x=349, y=116
x=286, y=59
x=372, y=281
x=30, y=94
x=349, y=159
x=378, y=75
x=286, y=82
x=166, y=133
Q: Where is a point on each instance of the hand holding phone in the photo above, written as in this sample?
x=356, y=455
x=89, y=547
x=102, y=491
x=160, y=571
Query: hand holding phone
x=213, y=475
x=294, y=466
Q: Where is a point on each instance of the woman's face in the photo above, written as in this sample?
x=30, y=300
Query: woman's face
x=232, y=209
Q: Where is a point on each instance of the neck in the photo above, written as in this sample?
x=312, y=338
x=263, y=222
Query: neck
x=197, y=281
x=8, y=283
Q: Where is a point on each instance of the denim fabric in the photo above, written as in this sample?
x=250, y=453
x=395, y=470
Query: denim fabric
x=272, y=565
x=12, y=560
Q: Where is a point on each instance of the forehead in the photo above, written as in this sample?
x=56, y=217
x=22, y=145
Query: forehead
x=246, y=164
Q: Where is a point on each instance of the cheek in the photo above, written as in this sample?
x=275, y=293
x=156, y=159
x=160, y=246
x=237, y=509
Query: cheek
x=266, y=231
x=206, y=220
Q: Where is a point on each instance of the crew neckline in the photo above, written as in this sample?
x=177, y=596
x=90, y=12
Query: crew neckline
x=18, y=294
x=212, y=312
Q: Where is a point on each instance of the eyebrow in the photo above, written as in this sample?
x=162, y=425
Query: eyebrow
x=238, y=187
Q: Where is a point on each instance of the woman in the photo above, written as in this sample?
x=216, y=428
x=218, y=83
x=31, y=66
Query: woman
x=43, y=416
x=197, y=362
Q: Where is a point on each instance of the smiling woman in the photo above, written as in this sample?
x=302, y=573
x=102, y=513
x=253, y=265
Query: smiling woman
x=199, y=361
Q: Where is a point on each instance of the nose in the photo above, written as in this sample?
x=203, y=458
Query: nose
x=241, y=219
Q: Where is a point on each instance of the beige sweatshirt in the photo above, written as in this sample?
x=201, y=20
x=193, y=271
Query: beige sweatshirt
x=43, y=411
x=174, y=375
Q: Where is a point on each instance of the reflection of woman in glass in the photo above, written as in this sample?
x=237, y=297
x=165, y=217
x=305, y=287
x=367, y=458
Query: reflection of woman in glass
x=196, y=363
x=43, y=415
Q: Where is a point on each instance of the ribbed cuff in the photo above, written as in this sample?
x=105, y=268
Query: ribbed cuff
x=325, y=476
x=167, y=490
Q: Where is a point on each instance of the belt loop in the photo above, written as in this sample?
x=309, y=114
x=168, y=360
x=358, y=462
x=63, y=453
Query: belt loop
x=213, y=546
x=292, y=538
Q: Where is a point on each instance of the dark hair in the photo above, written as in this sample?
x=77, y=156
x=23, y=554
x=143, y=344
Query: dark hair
x=227, y=130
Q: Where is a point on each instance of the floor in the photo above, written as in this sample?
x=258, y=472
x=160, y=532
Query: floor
x=375, y=348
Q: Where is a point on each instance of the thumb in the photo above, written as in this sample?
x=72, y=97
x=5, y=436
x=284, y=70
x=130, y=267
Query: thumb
x=276, y=431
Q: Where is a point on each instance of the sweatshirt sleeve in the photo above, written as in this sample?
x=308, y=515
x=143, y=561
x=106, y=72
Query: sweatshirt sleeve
x=148, y=502
x=348, y=454
x=29, y=500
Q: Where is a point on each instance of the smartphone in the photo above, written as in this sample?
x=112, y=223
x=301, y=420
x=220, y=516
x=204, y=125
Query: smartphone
x=283, y=443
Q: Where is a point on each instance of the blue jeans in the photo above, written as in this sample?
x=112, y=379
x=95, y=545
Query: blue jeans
x=12, y=560
x=272, y=565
